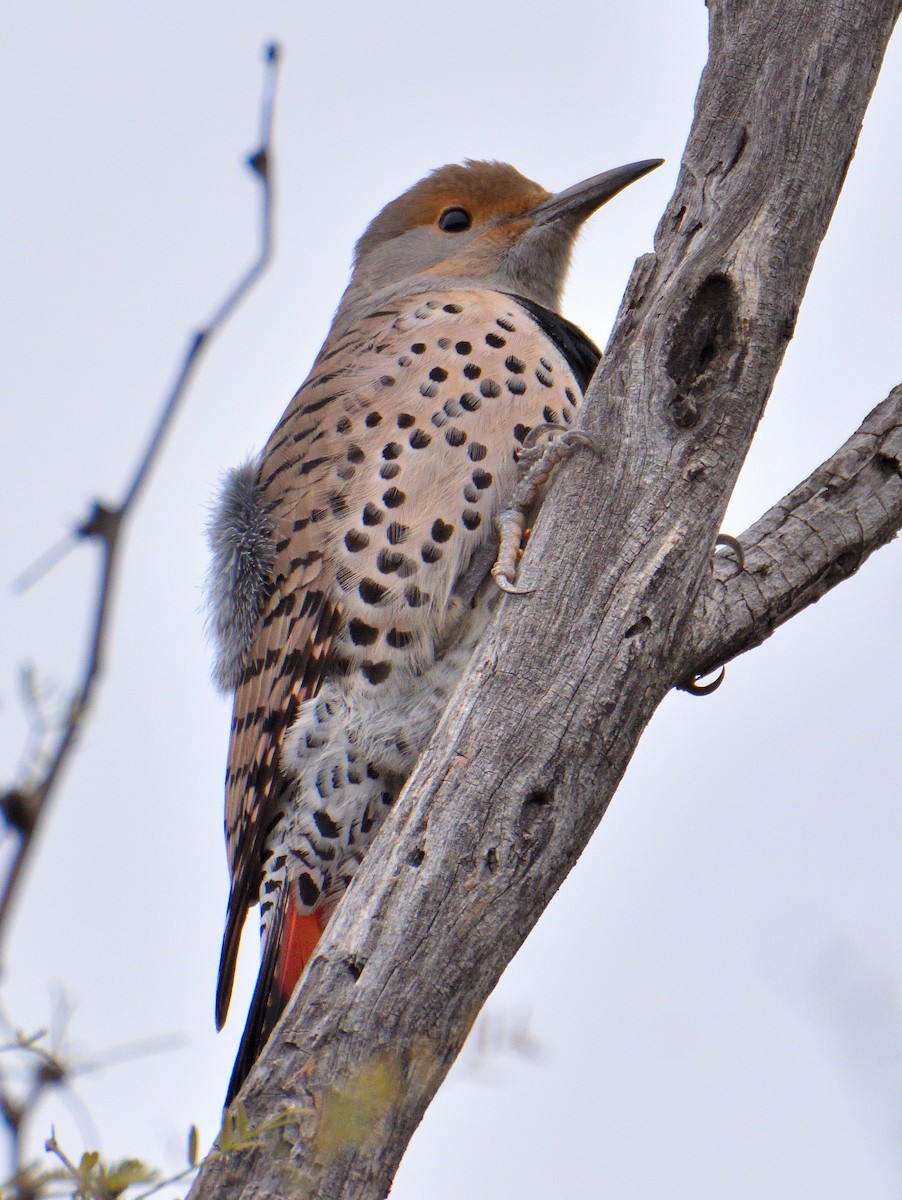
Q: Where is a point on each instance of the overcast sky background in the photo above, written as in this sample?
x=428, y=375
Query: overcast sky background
x=717, y=988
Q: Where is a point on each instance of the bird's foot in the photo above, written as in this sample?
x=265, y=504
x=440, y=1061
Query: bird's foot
x=539, y=462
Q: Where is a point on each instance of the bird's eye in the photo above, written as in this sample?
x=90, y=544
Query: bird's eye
x=454, y=220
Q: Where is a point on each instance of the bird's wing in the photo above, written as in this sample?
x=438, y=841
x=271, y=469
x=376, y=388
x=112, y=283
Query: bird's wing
x=300, y=486
x=289, y=653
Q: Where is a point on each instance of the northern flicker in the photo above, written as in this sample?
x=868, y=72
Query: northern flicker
x=352, y=559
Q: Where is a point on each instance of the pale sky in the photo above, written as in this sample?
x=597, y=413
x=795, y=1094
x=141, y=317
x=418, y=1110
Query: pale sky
x=717, y=988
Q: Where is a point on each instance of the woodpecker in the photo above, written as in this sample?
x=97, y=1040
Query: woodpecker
x=353, y=558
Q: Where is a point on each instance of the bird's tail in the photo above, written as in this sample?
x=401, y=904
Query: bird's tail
x=290, y=942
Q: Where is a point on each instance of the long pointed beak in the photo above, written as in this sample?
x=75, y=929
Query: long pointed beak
x=580, y=201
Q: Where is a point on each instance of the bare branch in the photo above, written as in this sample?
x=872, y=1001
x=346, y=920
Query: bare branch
x=538, y=734
x=25, y=804
x=816, y=537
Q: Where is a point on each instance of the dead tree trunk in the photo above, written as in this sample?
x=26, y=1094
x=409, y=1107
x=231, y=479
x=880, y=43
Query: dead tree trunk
x=538, y=735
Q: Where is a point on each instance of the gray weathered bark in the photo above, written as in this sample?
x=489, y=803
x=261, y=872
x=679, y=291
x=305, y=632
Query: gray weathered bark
x=537, y=737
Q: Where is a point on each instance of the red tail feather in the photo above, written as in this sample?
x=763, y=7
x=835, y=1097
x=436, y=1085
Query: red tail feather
x=300, y=933
x=290, y=944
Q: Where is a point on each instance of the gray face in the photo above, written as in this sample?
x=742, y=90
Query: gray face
x=520, y=237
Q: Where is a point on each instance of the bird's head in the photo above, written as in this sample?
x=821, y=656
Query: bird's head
x=482, y=224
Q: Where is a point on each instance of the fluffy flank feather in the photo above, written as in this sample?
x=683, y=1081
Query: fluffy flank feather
x=240, y=577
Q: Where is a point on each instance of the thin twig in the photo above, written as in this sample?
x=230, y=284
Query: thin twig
x=24, y=806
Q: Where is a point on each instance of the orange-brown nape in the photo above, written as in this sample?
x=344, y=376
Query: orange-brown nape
x=486, y=190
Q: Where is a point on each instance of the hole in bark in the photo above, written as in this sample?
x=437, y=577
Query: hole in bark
x=537, y=798
x=703, y=345
x=845, y=564
x=738, y=150
x=684, y=410
x=887, y=465
x=355, y=966
x=535, y=826
x=491, y=859
x=639, y=626
x=416, y=856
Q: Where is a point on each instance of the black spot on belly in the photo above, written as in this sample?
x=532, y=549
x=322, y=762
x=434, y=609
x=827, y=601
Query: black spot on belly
x=419, y=439
x=490, y=388
x=393, y=497
x=495, y=340
x=455, y=437
x=441, y=531
x=389, y=560
x=370, y=591
x=471, y=519
x=376, y=672
x=356, y=539
x=405, y=420
x=361, y=633
x=325, y=824
x=398, y=638
x=414, y=597
x=397, y=533
x=307, y=890
x=482, y=479
x=372, y=419
x=372, y=515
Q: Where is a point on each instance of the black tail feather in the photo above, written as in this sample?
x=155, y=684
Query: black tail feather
x=262, y=1014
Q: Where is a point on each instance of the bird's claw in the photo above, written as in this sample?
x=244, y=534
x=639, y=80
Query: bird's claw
x=727, y=539
x=694, y=688
x=507, y=585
